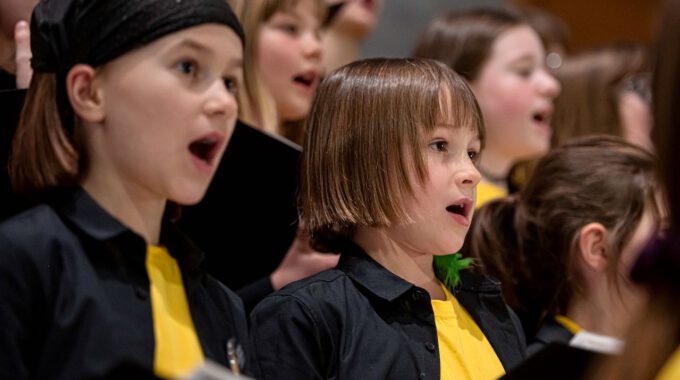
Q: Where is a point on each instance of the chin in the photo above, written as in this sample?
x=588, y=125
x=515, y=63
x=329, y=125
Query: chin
x=188, y=197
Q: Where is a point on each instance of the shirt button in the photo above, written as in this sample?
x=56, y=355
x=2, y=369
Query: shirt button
x=430, y=346
x=140, y=293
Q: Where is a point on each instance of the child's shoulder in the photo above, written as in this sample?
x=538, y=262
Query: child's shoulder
x=317, y=292
x=330, y=280
x=34, y=227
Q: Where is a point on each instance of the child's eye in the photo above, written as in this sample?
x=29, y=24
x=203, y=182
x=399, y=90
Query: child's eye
x=289, y=28
x=231, y=84
x=524, y=72
x=187, y=67
x=473, y=154
x=439, y=146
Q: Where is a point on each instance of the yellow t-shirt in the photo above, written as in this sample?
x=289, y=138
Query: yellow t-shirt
x=177, y=350
x=670, y=370
x=464, y=351
x=487, y=191
x=568, y=324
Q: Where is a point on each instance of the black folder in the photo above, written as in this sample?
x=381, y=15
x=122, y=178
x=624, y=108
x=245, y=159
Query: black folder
x=248, y=217
x=556, y=361
x=11, y=102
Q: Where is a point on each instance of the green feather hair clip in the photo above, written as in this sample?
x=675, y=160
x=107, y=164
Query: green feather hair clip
x=448, y=268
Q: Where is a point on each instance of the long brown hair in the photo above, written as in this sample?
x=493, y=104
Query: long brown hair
x=656, y=334
x=364, y=140
x=527, y=241
x=591, y=86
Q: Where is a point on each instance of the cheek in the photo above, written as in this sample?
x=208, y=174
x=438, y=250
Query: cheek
x=503, y=101
x=275, y=57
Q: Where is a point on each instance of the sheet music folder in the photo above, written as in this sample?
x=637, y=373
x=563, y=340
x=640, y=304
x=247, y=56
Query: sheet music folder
x=248, y=217
x=556, y=361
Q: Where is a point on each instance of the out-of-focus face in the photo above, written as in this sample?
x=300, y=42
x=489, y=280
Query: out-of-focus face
x=636, y=119
x=11, y=12
x=357, y=17
x=515, y=93
x=170, y=109
x=289, y=59
x=442, y=207
x=627, y=293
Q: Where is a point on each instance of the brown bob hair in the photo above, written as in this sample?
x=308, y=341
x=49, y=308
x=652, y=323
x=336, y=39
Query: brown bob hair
x=47, y=150
x=527, y=241
x=463, y=39
x=364, y=140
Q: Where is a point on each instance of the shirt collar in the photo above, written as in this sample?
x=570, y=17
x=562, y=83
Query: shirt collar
x=362, y=269
x=88, y=216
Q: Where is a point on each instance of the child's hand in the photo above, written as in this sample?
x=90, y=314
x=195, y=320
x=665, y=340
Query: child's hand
x=22, y=39
x=301, y=261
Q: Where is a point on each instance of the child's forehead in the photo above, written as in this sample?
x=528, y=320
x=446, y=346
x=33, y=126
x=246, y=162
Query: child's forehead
x=296, y=7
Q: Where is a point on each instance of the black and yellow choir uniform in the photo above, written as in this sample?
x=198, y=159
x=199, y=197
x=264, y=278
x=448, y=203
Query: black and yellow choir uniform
x=82, y=296
x=361, y=321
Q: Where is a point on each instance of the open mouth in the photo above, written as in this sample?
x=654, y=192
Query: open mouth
x=458, y=209
x=542, y=117
x=307, y=80
x=206, y=148
x=461, y=211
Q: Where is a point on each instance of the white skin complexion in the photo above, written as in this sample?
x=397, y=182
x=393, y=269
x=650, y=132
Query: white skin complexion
x=157, y=121
x=15, y=43
x=515, y=93
x=608, y=304
x=289, y=59
x=342, y=38
x=440, y=209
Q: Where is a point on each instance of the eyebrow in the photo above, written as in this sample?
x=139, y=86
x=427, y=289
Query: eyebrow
x=195, y=45
x=203, y=49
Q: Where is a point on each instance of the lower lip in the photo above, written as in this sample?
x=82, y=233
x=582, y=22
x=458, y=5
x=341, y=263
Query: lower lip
x=306, y=89
x=460, y=219
x=201, y=165
x=543, y=126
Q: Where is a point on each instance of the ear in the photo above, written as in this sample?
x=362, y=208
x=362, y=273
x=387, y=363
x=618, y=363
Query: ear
x=593, y=246
x=82, y=86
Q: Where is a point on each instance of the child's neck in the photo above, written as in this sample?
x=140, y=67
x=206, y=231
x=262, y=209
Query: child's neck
x=413, y=267
x=495, y=168
x=142, y=215
x=340, y=49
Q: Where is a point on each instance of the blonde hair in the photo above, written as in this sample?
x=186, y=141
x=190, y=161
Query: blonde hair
x=256, y=103
x=364, y=137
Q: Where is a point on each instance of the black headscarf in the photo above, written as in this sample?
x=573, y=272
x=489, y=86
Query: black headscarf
x=67, y=32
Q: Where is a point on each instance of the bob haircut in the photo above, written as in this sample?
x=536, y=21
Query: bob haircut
x=255, y=102
x=364, y=141
x=463, y=39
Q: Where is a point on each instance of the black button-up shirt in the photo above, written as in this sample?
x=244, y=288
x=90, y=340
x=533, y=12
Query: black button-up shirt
x=74, y=295
x=360, y=321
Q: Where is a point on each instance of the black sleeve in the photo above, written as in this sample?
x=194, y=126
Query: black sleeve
x=255, y=292
x=20, y=306
x=287, y=340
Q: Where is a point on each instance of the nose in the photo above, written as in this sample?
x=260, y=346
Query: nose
x=468, y=176
x=547, y=84
x=311, y=46
x=221, y=102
